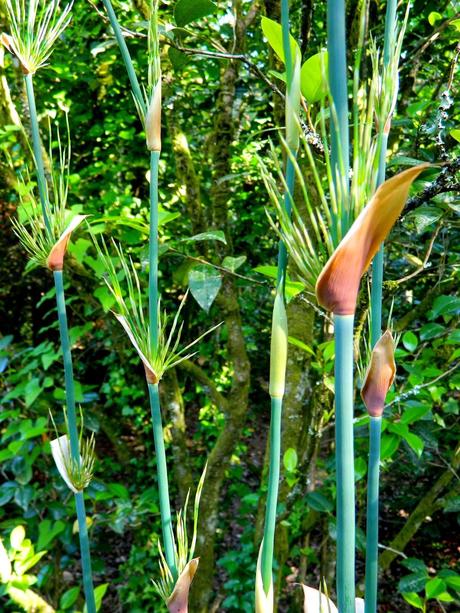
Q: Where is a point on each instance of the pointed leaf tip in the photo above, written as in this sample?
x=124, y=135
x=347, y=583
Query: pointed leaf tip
x=379, y=375
x=338, y=284
x=178, y=601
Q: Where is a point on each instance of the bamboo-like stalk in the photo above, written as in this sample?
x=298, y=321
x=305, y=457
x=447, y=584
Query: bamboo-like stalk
x=153, y=248
x=73, y=436
x=125, y=54
x=336, y=44
x=162, y=472
x=372, y=523
x=372, y=511
x=277, y=401
x=37, y=149
x=343, y=327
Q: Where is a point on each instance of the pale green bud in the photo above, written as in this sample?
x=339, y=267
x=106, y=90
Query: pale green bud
x=278, y=348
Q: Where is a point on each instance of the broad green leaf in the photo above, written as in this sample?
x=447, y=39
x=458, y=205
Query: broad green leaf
x=446, y=305
x=413, y=414
x=214, y=235
x=118, y=490
x=319, y=502
x=410, y=341
x=360, y=468
x=434, y=587
x=433, y=17
x=415, y=565
x=414, y=599
x=455, y=133
x=187, y=11
x=7, y=490
x=451, y=578
x=69, y=598
x=32, y=391
x=22, y=566
x=415, y=582
x=178, y=59
x=48, y=531
x=204, y=282
x=424, y=216
x=231, y=263
x=456, y=24
x=290, y=459
x=453, y=506
x=429, y=331
x=390, y=443
x=415, y=443
x=105, y=297
x=313, y=77
x=273, y=32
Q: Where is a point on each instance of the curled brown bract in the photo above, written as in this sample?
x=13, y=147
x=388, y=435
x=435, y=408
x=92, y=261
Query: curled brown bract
x=380, y=375
x=55, y=259
x=338, y=284
x=178, y=601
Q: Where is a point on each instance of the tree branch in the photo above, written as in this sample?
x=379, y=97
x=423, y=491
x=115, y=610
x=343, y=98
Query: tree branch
x=443, y=183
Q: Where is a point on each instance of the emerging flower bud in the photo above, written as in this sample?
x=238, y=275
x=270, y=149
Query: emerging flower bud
x=178, y=601
x=60, y=448
x=150, y=374
x=315, y=601
x=379, y=376
x=55, y=259
x=338, y=284
x=153, y=120
x=279, y=348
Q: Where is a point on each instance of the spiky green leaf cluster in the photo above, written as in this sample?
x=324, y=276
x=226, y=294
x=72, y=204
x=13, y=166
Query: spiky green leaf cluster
x=129, y=299
x=35, y=25
x=183, y=553
x=36, y=239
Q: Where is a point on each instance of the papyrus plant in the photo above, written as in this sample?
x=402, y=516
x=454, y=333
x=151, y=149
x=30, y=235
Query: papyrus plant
x=34, y=28
x=279, y=337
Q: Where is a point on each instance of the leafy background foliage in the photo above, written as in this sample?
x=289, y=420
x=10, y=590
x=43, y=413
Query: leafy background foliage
x=214, y=129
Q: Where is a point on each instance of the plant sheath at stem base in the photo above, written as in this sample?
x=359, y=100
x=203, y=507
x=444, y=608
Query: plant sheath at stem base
x=372, y=519
x=162, y=474
x=343, y=326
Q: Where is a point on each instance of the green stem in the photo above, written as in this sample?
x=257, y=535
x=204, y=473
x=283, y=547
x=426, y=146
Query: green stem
x=37, y=148
x=343, y=326
x=336, y=44
x=153, y=250
x=74, y=444
x=162, y=474
x=372, y=518
x=125, y=54
x=272, y=496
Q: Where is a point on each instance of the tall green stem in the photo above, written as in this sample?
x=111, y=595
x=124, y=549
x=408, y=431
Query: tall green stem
x=125, y=54
x=372, y=529
x=337, y=51
x=372, y=513
x=37, y=148
x=153, y=249
x=272, y=495
x=277, y=402
x=162, y=473
x=74, y=444
x=343, y=326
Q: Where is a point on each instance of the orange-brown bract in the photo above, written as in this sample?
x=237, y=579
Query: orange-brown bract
x=338, y=284
x=379, y=376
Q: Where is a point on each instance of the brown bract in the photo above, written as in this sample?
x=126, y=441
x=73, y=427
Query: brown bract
x=55, y=259
x=178, y=601
x=380, y=375
x=338, y=284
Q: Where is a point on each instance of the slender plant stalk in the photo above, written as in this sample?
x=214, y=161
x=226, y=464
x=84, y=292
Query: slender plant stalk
x=372, y=529
x=162, y=472
x=37, y=148
x=153, y=248
x=272, y=495
x=125, y=54
x=277, y=402
x=336, y=44
x=74, y=445
x=372, y=512
x=343, y=326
